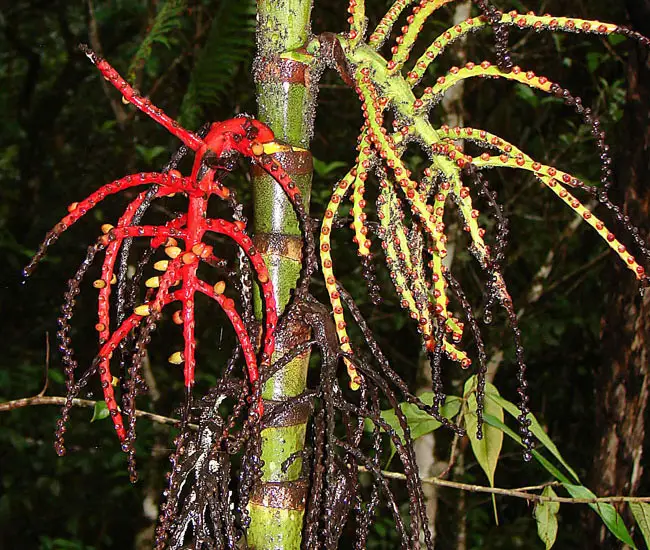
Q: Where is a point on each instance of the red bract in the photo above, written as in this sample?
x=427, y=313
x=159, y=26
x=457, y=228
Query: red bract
x=179, y=282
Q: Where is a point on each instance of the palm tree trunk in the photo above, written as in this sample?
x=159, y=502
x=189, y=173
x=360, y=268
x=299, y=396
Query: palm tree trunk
x=286, y=104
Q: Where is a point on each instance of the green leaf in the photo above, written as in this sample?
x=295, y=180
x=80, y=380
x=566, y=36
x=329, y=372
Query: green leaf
x=487, y=449
x=615, y=39
x=641, y=512
x=594, y=60
x=324, y=169
x=149, y=154
x=168, y=19
x=492, y=421
x=536, y=429
x=545, y=515
x=607, y=513
x=419, y=422
x=100, y=411
x=229, y=45
x=528, y=95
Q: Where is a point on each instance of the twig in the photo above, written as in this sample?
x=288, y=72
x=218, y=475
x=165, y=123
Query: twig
x=517, y=493
x=60, y=400
x=47, y=365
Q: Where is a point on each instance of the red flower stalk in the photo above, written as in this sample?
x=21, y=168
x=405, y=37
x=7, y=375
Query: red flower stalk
x=242, y=135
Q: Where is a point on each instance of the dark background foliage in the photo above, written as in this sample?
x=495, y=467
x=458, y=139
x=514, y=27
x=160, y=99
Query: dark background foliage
x=63, y=135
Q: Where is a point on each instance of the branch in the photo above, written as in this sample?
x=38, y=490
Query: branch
x=60, y=400
x=517, y=493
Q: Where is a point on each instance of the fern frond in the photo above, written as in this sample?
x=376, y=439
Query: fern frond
x=230, y=43
x=168, y=19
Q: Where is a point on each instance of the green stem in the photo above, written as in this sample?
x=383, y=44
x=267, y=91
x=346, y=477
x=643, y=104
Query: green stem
x=286, y=104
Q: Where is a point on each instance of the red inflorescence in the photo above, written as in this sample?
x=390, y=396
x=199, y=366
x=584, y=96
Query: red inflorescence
x=242, y=135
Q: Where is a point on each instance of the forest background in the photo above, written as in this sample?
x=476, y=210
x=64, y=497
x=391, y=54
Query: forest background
x=63, y=135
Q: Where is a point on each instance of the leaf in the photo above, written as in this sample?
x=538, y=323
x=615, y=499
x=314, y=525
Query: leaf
x=149, y=154
x=528, y=95
x=545, y=515
x=536, y=429
x=168, y=19
x=487, y=449
x=607, y=513
x=100, y=411
x=641, y=512
x=323, y=169
x=419, y=422
x=230, y=43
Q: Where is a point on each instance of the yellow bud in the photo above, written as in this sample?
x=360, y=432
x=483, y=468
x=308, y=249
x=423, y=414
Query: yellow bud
x=177, y=317
x=125, y=101
x=106, y=228
x=153, y=282
x=142, y=310
x=355, y=383
x=73, y=207
x=99, y=283
x=172, y=251
x=176, y=358
x=171, y=242
x=161, y=265
x=220, y=287
x=113, y=279
x=115, y=381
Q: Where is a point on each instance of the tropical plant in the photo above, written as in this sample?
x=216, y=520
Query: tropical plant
x=256, y=423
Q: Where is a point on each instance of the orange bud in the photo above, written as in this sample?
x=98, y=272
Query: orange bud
x=257, y=148
x=189, y=257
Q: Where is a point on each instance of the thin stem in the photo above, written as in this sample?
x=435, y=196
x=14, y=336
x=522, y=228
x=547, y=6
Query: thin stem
x=522, y=492
x=61, y=400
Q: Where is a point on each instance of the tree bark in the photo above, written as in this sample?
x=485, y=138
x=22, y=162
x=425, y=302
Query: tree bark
x=623, y=380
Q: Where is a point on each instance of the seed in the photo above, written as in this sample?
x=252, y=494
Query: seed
x=220, y=287
x=176, y=358
x=161, y=265
x=142, y=310
x=172, y=251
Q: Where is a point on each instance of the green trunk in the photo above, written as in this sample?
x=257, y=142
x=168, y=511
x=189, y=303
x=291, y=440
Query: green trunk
x=286, y=105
